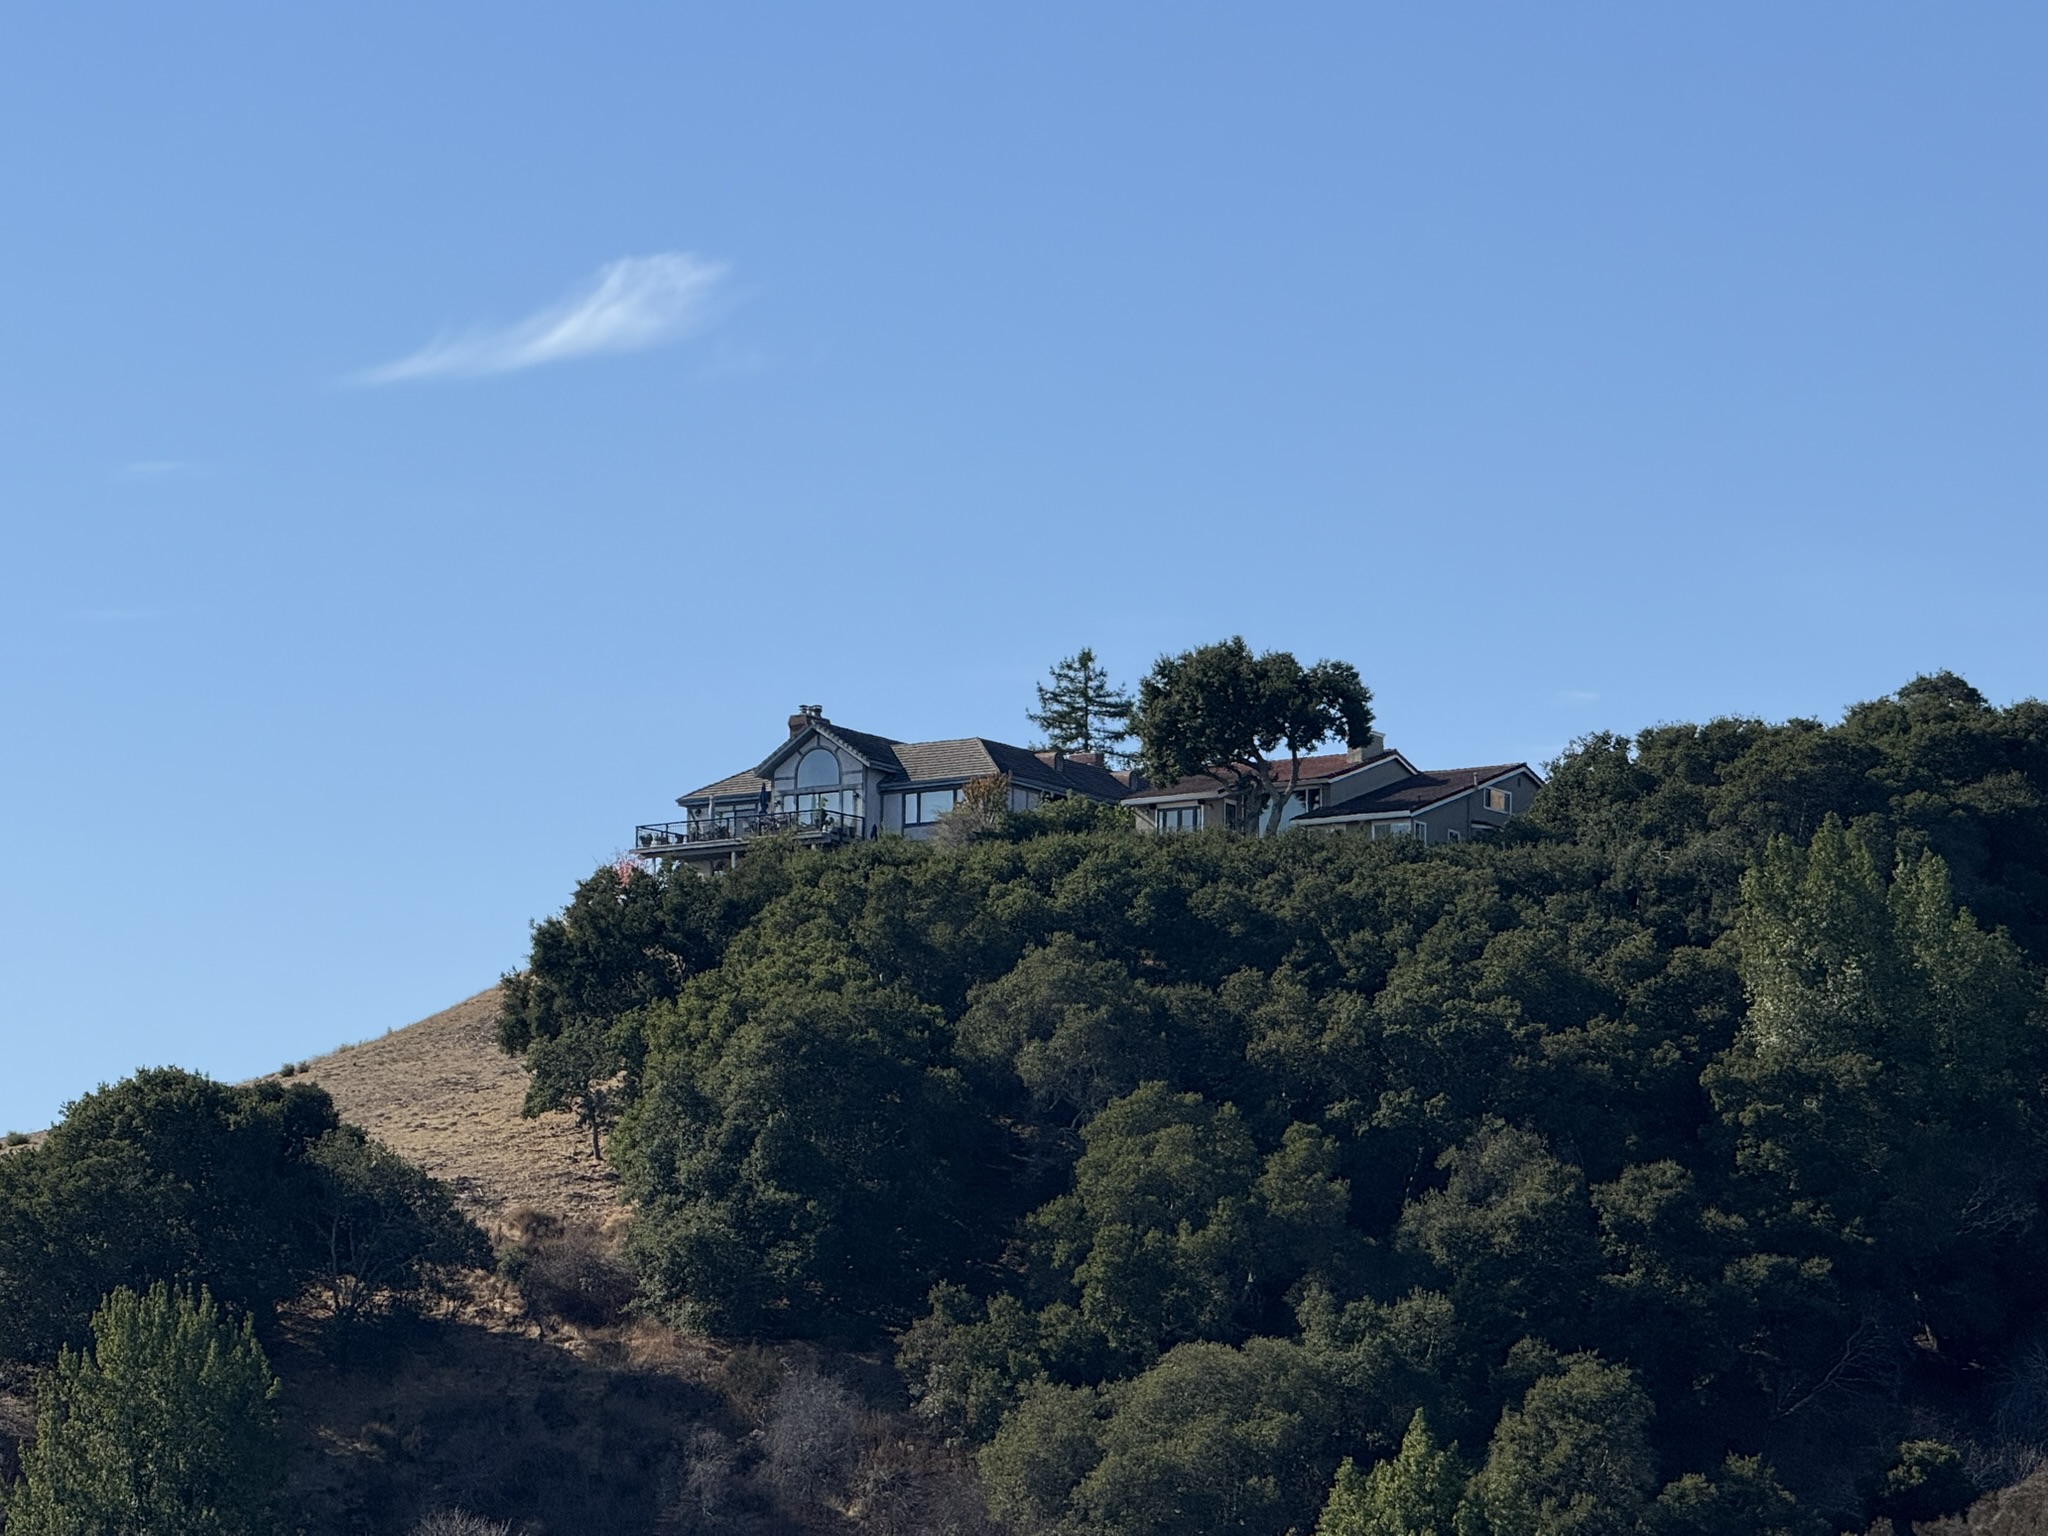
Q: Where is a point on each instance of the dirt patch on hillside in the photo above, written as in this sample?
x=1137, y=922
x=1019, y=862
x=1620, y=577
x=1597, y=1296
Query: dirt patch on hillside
x=441, y=1093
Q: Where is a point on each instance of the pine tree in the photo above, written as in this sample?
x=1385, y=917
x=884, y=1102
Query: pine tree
x=1078, y=709
x=162, y=1428
x=1420, y=1492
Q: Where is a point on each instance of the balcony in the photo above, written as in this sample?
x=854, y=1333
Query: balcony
x=723, y=829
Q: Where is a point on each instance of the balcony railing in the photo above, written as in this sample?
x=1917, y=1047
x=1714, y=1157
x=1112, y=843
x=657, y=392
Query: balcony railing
x=730, y=826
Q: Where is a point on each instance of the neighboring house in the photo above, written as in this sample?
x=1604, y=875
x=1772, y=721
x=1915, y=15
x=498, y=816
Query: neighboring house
x=1369, y=791
x=828, y=784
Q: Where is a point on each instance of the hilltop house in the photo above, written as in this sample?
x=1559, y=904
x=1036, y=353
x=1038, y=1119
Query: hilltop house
x=1369, y=791
x=828, y=784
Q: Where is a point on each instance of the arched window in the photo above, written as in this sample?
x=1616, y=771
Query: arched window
x=817, y=769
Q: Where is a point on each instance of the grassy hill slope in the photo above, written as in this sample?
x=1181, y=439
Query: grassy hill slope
x=593, y=1421
x=441, y=1093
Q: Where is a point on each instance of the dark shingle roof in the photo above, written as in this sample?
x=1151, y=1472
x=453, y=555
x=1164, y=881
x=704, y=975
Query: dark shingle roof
x=1417, y=792
x=879, y=750
x=1314, y=770
x=923, y=762
x=976, y=757
x=1090, y=779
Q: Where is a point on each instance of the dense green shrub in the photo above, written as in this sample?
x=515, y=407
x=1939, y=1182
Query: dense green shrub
x=252, y=1192
x=166, y=1176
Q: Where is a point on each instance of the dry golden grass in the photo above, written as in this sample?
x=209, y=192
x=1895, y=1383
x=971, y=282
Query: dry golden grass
x=441, y=1093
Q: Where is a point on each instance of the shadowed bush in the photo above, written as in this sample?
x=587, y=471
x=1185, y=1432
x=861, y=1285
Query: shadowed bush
x=564, y=1269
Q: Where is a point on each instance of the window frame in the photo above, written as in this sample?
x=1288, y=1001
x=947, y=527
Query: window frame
x=913, y=805
x=800, y=784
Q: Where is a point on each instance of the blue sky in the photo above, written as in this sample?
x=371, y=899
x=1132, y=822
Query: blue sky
x=433, y=438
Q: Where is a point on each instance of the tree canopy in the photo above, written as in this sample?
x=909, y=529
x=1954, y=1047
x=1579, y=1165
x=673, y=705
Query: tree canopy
x=1221, y=710
x=1677, y=1154
x=254, y=1193
x=162, y=1427
x=1080, y=710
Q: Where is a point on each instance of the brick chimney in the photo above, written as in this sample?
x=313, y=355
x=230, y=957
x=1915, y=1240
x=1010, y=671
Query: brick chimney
x=806, y=715
x=1092, y=759
x=1375, y=744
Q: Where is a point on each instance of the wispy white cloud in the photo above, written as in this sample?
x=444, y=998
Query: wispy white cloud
x=629, y=305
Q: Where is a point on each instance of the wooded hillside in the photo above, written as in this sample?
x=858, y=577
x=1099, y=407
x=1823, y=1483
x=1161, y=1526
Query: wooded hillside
x=1676, y=1156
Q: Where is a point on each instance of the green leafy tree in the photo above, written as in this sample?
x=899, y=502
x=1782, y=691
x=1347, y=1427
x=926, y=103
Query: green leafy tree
x=1213, y=1439
x=1420, y=1491
x=590, y=1067
x=801, y=1167
x=1881, y=1093
x=1047, y=1444
x=629, y=936
x=166, y=1175
x=1210, y=1438
x=1513, y=1233
x=381, y=1225
x=968, y=1362
x=252, y=1192
x=162, y=1428
x=1927, y=1482
x=1079, y=710
x=1574, y=1459
x=1175, y=1219
x=1744, y=1498
x=1073, y=1028
x=1221, y=710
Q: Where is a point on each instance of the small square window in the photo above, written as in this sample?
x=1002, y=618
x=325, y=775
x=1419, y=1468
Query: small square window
x=1501, y=800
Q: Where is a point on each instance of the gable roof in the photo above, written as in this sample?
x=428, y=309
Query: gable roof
x=748, y=783
x=976, y=757
x=967, y=757
x=876, y=751
x=1320, y=769
x=1417, y=792
x=919, y=762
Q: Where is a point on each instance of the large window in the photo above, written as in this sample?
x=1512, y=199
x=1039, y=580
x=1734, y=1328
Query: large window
x=1500, y=800
x=817, y=769
x=1400, y=829
x=1177, y=818
x=923, y=806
